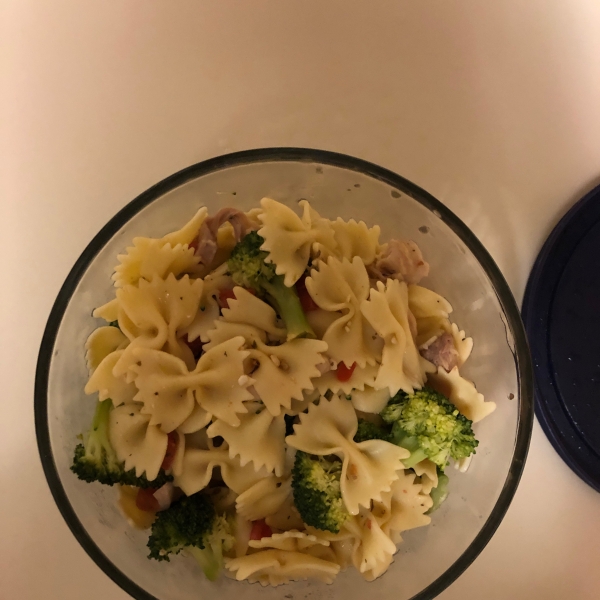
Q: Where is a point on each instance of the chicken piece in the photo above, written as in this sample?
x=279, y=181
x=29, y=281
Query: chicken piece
x=399, y=260
x=442, y=352
x=206, y=248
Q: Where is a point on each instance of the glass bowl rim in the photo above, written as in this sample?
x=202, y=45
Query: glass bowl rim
x=285, y=154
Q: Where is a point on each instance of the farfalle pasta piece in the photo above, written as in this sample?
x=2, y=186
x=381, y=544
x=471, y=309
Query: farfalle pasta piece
x=352, y=239
x=360, y=378
x=343, y=286
x=209, y=309
x=198, y=419
x=155, y=314
x=369, y=399
x=387, y=312
x=264, y=498
x=403, y=507
x=102, y=342
x=320, y=320
x=429, y=329
x=223, y=331
x=198, y=465
x=462, y=343
x=425, y=303
x=150, y=257
x=275, y=567
x=439, y=340
x=258, y=438
x=177, y=465
x=426, y=470
x=280, y=374
x=108, y=385
x=247, y=309
x=368, y=468
x=169, y=391
x=286, y=517
x=291, y=541
x=136, y=442
x=109, y=311
x=362, y=543
x=373, y=550
x=289, y=238
x=299, y=406
x=462, y=393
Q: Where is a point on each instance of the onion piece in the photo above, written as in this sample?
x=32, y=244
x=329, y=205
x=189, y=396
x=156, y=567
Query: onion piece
x=165, y=495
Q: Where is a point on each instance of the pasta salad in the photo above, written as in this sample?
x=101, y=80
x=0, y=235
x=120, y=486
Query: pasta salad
x=277, y=395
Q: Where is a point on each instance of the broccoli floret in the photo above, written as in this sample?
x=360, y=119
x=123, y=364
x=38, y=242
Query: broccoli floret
x=430, y=426
x=248, y=269
x=317, y=493
x=439, y=493
x=370, y=431
x=192, y=523
x=95, y=459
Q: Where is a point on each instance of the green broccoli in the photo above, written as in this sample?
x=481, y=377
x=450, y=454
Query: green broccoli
x=440, y=492
x=248, y=269
x=370, y=431
x=95, y=459
x=193, y=523
x=430, y=426
x=317, y=493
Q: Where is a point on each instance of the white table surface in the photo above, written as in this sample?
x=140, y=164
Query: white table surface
x=491, y=105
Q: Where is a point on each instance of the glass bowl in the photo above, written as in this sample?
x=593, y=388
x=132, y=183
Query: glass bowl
x=430, y=558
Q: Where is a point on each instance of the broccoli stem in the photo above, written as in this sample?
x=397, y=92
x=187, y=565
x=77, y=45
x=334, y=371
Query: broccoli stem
x=289, y=307
x=209, y=563
x=410, y=443
x=98, y=435
x=439, y=493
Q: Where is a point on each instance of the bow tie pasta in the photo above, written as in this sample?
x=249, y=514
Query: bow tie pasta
x=149, y=257
x=351, y=239
x=102, y=342
x=276, y=567
x=387, y=312
x=438, y=340
x=280, y=373
x=155, y=314
x=108, y=385
x=368, y=468
x=140, y=445
x=257, y=438
x=342, y=286
x=289, y=239
x=276, y=394
x=169, y=391
x=198, y=465
x=209, y=309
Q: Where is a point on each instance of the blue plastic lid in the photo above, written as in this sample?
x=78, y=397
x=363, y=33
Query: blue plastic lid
x=561, y=312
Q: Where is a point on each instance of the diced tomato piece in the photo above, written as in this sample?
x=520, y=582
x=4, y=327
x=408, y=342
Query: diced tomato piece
x=224, y=297
x=172, y=443
x=343, y=373
x=308, y=304
x=146, y=501
x=260, y=530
